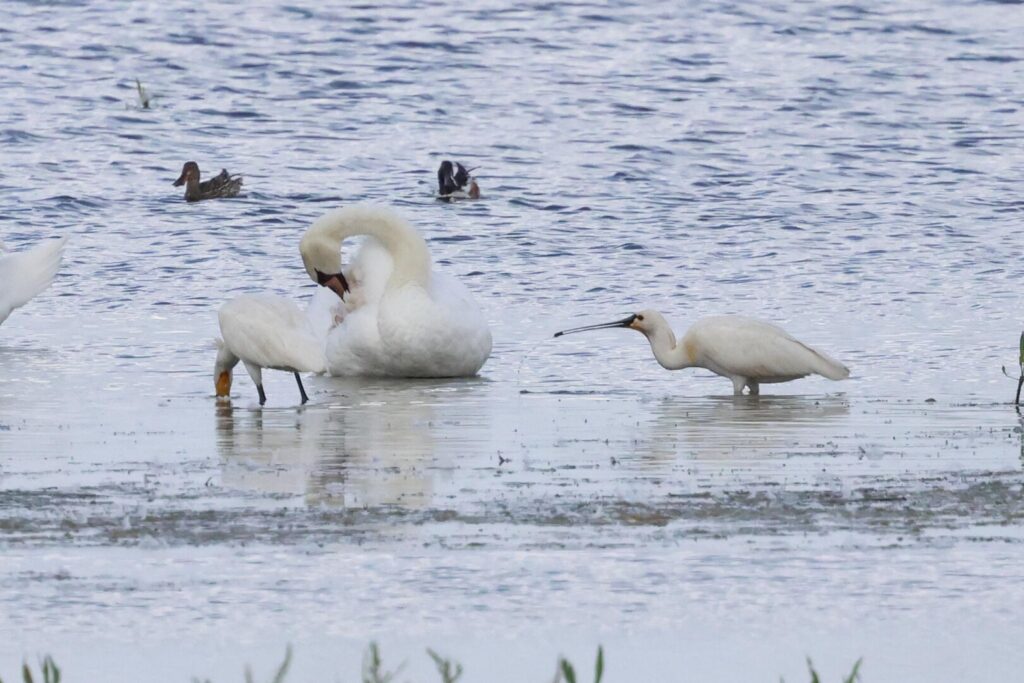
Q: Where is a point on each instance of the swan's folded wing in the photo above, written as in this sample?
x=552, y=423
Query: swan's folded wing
x=25, y=274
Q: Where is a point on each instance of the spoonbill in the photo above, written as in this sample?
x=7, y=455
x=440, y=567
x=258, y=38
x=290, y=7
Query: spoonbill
x=24, y=274
x=417, y=323
x=748, y=352
x=267, y=331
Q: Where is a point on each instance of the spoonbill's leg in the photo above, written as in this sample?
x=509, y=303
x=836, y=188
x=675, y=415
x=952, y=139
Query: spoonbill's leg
x=755, y=388
x=263, y=396
x=737, y=385
x=302, y=389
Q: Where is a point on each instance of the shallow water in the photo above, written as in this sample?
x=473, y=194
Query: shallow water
x=847, y=172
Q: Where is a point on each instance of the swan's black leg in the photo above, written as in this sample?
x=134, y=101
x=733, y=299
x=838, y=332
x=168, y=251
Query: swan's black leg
x=263, y=396
x=302, y=389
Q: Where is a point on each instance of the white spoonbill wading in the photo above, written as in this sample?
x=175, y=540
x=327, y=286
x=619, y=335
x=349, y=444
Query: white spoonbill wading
x=25, y=274
x=747, y=351
x=421, y=324
x=267, y=331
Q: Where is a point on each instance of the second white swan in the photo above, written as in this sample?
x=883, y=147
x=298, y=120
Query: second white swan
x=422, y=324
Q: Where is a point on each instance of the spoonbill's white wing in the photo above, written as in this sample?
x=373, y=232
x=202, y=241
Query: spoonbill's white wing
x=271, y=332
x=736, y=345
x=25, y=274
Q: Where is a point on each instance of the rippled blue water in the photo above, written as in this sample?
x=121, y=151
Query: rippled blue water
x=848, y=171
x=851, y=172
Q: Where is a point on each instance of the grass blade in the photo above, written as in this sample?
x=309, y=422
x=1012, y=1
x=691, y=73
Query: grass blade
x=283, y=669
x=814, y=674
x=599, y=666
x=855, y=673
x=567, y=671
x=444, y=667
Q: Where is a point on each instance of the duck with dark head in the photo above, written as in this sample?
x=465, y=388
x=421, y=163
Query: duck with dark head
x=221, y=185
x=455, y=182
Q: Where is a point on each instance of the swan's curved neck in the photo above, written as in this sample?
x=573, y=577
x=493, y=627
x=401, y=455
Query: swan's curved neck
x=670, y=355
x=408, y=250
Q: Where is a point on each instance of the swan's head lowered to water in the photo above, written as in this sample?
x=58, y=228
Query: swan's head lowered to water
x=322, y=258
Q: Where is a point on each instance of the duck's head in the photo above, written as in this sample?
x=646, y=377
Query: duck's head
x=446, y=178
x=188, y=172
x=322, y=260
x=453, y=177
x=461, y=175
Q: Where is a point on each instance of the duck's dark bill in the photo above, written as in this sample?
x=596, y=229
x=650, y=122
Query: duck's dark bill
x=625, y=322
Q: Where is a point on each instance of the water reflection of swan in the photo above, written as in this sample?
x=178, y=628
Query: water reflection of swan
x=381, y=450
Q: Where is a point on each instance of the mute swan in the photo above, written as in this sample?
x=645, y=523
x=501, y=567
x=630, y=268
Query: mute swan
x=266, y=331
x=221, y=185
x=455, y=182
x=25, y=274
x=747, y=351
x=422, y=323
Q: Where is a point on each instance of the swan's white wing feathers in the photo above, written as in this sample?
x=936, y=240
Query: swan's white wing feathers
x=25, y=274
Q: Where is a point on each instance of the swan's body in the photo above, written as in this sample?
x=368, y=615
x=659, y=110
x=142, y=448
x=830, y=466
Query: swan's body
x=266, y=331
x=749, y=352
x=24, y=274
x=411, y=322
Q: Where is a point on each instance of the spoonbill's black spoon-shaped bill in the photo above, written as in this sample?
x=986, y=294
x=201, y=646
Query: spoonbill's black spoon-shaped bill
x=749, y=352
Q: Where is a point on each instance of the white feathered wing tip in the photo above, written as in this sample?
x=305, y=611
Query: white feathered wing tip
x=827, y=366
x=25, y=274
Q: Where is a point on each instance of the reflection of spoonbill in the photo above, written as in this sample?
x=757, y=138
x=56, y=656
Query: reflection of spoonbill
x=266, y=331
x=422, y=323
x=25, y=274
x=747, y=351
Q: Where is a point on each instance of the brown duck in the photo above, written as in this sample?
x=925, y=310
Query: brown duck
x=221, y=185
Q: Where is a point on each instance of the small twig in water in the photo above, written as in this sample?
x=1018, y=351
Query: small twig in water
x=144, y=98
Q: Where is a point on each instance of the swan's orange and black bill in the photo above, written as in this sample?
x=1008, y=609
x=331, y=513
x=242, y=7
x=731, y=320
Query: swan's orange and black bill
x=625, y=322
x=335, y=282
